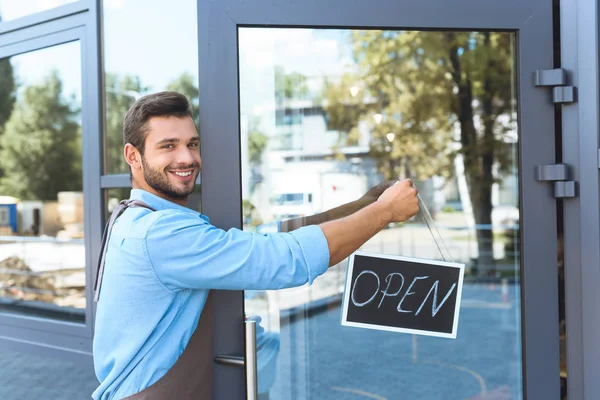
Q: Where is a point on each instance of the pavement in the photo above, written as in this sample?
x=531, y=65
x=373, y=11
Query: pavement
x=320, y=359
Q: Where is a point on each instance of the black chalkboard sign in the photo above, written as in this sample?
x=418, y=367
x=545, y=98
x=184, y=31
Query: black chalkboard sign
x=402, y=294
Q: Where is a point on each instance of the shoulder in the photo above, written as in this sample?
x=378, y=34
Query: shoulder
x=170, y=222
x=140, y=222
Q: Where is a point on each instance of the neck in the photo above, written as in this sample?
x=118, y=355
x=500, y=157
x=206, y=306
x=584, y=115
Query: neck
x=144, y=186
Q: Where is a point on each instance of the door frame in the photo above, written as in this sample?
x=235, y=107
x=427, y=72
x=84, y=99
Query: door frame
x=74, y=22
x=579, y=55
x=218, y=23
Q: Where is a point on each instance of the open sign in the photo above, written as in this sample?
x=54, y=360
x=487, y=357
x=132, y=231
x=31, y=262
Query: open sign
x=402, y=294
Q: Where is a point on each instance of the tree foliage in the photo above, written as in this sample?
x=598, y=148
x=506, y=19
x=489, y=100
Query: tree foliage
x=121, y=93
x=290, y=85
x=41, y=146
x=7, y=91
x=439, y=94
x=185, y=85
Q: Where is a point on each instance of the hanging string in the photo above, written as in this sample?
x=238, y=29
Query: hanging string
x=429, y=222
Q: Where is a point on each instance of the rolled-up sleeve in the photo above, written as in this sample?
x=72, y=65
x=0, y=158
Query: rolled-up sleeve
x=187, y=252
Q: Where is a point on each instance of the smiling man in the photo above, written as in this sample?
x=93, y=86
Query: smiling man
x=160, y=259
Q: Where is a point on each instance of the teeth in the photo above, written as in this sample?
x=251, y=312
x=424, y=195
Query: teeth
x=183, y=174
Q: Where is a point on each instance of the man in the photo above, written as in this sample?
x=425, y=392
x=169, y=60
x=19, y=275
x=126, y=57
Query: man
x=161, y=264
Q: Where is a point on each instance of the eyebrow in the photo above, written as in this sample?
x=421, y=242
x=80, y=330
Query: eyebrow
x=175, y=140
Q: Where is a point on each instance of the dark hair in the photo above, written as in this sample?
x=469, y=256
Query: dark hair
x=161, y=104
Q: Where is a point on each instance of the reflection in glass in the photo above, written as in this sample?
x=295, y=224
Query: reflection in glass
x=42, y=255
x=165, y=57
x=327, y=114
x=11, y=9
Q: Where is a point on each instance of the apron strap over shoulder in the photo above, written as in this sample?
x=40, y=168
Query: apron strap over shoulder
x=119, y=209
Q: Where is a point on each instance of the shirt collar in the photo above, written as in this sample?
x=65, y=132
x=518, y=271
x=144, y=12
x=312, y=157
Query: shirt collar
x=158, y=203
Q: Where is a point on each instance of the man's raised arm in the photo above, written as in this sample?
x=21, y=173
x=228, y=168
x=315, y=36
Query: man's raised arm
x=338, y=212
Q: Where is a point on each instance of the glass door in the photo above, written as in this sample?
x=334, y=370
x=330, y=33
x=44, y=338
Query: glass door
x=327, y=112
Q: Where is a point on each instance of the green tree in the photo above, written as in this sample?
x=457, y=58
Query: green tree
x=427, y=96
x=186, y=85
x=7, y=90
x=41, y=145
x=121, y=93
x=289, y=85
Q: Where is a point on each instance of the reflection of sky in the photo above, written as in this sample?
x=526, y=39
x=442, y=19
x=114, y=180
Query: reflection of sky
x=307, y=51
x=31, y=68
x=313, y=53
x=12, y=9
x=157, y=41
x=152, y=39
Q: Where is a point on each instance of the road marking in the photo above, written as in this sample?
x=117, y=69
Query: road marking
x=484, y=304
x=360, y=393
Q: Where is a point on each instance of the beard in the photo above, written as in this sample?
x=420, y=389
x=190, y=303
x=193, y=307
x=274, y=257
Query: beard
x=160, y=182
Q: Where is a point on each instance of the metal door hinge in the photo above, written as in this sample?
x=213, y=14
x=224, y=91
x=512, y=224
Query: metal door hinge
x=561, y=92
x=559, y=174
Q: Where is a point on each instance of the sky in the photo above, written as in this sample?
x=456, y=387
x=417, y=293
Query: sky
x=158, y=42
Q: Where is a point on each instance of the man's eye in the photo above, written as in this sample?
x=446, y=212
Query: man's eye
x=167, y=146
x=193, y=144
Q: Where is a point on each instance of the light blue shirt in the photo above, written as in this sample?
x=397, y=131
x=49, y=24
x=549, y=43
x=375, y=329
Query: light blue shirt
x=159, y=268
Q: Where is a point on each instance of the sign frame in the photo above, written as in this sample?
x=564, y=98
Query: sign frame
x=348, y=284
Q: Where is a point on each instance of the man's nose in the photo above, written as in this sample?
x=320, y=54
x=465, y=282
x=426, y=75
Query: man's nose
x=186, y=156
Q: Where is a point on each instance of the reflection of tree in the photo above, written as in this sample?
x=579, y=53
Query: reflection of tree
x=121, y=93
x=421, y=88
x=289, y=85
x=185, y=85
x=41, y=145
x=7, y=93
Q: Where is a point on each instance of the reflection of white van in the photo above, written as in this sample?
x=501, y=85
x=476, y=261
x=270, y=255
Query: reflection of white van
x=309, y=192
x=291, y=205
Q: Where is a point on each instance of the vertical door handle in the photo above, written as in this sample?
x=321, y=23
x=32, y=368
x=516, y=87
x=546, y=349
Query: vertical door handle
x=249, y=361
x=251, y=364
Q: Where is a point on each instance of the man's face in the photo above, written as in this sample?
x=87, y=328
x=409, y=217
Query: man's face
x=171, y=160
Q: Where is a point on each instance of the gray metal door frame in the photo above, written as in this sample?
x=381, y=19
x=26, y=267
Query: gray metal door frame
x=72, y=22
x=580, y=128
x=218, y=23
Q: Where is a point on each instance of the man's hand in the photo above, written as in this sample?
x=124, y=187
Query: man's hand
x=397, y=203
x=400, y=201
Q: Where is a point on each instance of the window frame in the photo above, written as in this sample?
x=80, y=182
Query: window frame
x=64, y=24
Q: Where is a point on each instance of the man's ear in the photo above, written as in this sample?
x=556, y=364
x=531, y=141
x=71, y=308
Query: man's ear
x=132, y=156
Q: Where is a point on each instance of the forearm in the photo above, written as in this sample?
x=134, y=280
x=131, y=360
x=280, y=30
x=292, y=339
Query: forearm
x=329, y=215
x=346, y=235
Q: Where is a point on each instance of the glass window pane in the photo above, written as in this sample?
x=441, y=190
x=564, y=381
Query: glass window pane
x=34, y=376
x=327, y=114
x=165, y=57
x=11, y=9
x=42, y=254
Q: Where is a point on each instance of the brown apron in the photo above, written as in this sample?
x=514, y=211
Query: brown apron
x=191, y=375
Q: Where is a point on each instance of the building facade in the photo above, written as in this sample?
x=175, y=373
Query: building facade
x=492, y=108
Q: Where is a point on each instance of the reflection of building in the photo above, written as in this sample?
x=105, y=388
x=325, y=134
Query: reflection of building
x=302, y=147
x=63, y=218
